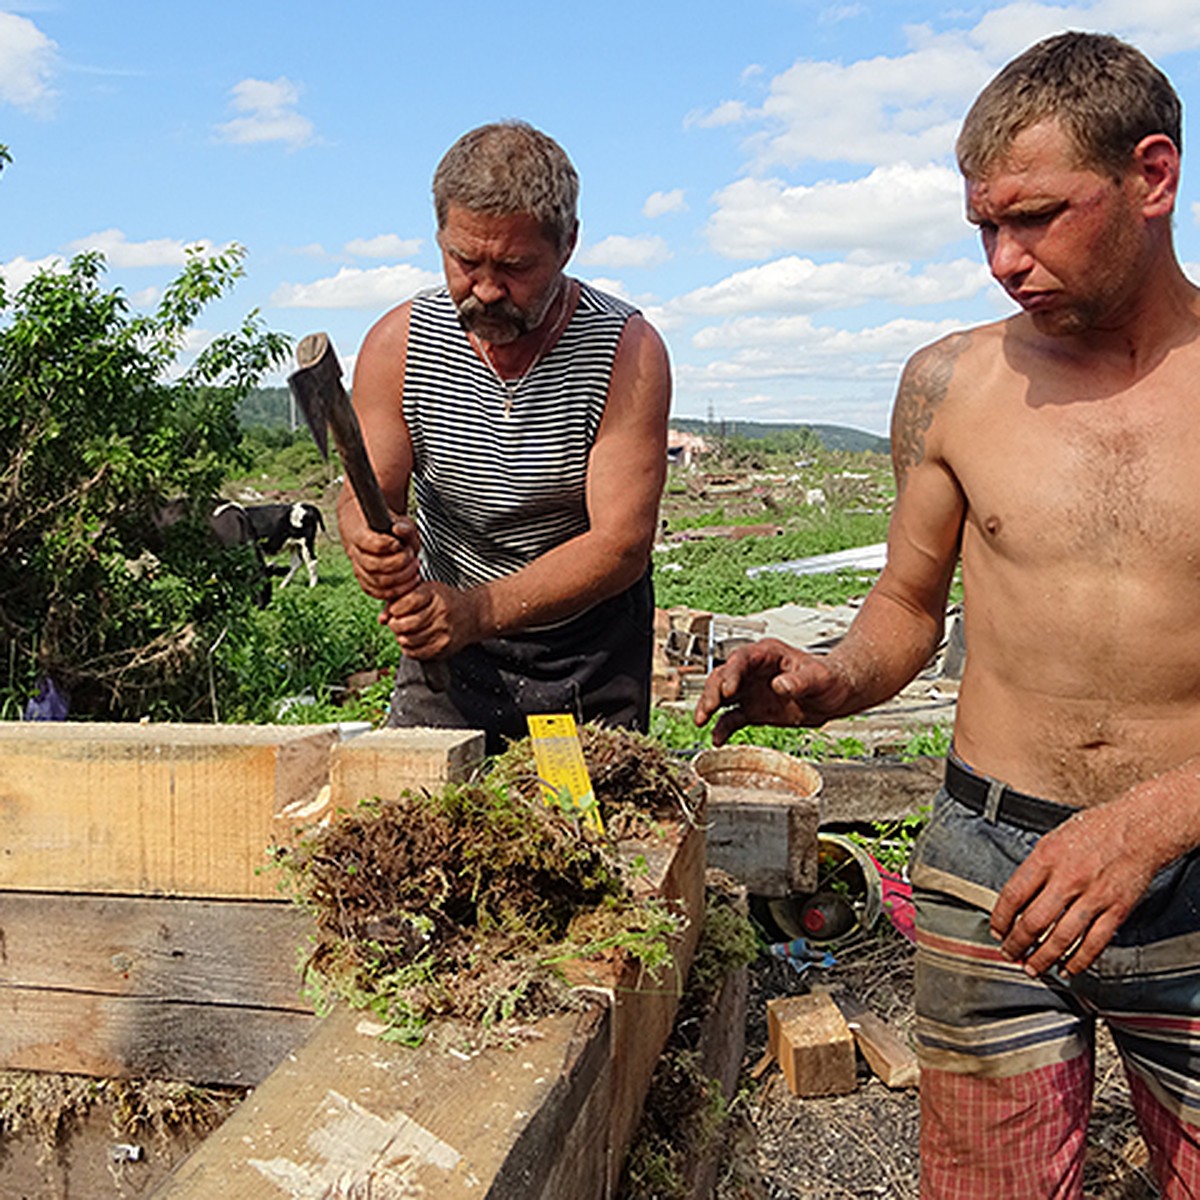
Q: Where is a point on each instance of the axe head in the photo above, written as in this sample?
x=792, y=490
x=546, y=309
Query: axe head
x=309, y=385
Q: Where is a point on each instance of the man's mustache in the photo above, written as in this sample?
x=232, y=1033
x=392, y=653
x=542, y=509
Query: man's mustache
x=473, y=313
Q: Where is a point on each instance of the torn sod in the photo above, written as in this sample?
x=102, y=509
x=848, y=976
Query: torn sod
x=458, y=908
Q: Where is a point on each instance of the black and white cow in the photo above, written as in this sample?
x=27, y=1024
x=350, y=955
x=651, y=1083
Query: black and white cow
x=279, y=527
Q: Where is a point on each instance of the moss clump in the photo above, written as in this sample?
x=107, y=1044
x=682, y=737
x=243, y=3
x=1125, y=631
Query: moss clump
x=457, y=906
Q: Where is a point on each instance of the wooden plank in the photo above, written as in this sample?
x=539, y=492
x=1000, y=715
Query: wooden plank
x=858, y=792
x=765, y=839
x=351, y=1116
x=813, y=1045
x=387, y=761
x=152, y=809
x=892, y=1060
x=42, y=1029
x=232, y=952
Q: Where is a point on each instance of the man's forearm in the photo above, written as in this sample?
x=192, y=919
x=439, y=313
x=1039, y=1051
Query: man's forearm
x=886, y=646
x=556, y=586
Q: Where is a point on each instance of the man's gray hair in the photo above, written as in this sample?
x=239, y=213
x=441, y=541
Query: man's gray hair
x=510, y=167
x=1106, y=94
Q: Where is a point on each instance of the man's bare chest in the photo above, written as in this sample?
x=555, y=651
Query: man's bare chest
x=1104, y=486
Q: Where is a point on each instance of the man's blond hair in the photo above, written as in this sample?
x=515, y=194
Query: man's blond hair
x=1106, y=94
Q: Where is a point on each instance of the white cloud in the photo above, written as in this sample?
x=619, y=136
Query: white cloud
x=799, y=285
x=27, y=62
x=270, y=116
x=21, y=270
x=385, y=245
x=897, y=209
x=658, y=204
x=120, y=252
x=907, y=107
x=878, y=110
x=353, y=287
x=620, y=251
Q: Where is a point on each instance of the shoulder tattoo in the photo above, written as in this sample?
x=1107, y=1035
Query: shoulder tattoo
x=923, y=388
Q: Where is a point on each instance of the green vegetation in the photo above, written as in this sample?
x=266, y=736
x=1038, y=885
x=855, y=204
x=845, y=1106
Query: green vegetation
x=116, y=605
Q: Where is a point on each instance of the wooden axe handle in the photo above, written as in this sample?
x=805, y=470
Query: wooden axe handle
x=317, y=387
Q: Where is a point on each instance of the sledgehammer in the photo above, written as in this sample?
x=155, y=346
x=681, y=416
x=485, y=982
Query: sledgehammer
x=317, y=390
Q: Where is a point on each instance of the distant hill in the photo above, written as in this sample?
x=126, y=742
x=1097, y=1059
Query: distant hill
x=833, y=437
x=271, y=407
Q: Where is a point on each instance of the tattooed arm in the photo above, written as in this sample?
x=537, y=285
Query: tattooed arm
x=900, y=623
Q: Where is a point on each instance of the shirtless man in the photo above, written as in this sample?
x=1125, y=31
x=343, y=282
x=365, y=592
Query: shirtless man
x=528, y=411
x=1057, y=453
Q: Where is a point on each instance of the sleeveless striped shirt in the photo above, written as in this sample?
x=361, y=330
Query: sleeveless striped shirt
x=493, y=491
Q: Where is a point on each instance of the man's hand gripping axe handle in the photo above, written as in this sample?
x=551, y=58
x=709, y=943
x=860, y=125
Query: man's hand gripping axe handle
x=317, y=389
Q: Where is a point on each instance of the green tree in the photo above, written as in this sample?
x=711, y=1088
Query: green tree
x=101, y=437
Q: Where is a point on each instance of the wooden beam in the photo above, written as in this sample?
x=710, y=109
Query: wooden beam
x=386, y=762
x=206, y=952
x=203, y=991
x=348, y=1115
x=83, y=1033
x=863, y=791
x=185, y=810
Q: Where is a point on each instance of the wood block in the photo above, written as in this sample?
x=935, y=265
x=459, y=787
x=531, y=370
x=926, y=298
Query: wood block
x=894, y=1061
x=764, y=811
x=152, y=809
x=813, y=1045
x=386, y=762
x=765, y=839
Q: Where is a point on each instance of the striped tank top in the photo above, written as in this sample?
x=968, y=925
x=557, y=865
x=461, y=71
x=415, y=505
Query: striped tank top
x=494, y=492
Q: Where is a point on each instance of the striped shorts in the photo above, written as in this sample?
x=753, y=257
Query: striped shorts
x=1006, y=1060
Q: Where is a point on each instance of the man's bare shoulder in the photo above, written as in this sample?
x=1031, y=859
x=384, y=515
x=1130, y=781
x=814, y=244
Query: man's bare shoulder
x=379, y=366
x=934, y=379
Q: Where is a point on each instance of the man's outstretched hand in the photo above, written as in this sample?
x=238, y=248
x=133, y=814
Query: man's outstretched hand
x=770, y=683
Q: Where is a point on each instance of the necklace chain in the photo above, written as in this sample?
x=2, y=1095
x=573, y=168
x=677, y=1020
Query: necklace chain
x=510, y=387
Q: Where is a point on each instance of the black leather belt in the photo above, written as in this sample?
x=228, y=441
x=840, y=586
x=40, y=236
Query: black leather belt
x=1026, y=812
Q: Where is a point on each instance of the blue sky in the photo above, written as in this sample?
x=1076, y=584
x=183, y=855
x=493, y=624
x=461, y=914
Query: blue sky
x=772, y=182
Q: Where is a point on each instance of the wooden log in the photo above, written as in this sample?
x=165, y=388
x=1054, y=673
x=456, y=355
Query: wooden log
x=184, y=810
x=813, y=1045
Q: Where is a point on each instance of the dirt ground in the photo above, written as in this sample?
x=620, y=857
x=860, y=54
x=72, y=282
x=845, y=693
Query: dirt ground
x=783, y=1147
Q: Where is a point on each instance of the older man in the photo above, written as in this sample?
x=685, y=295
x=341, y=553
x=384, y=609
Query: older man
x=1057, y=451
x=528, y=411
